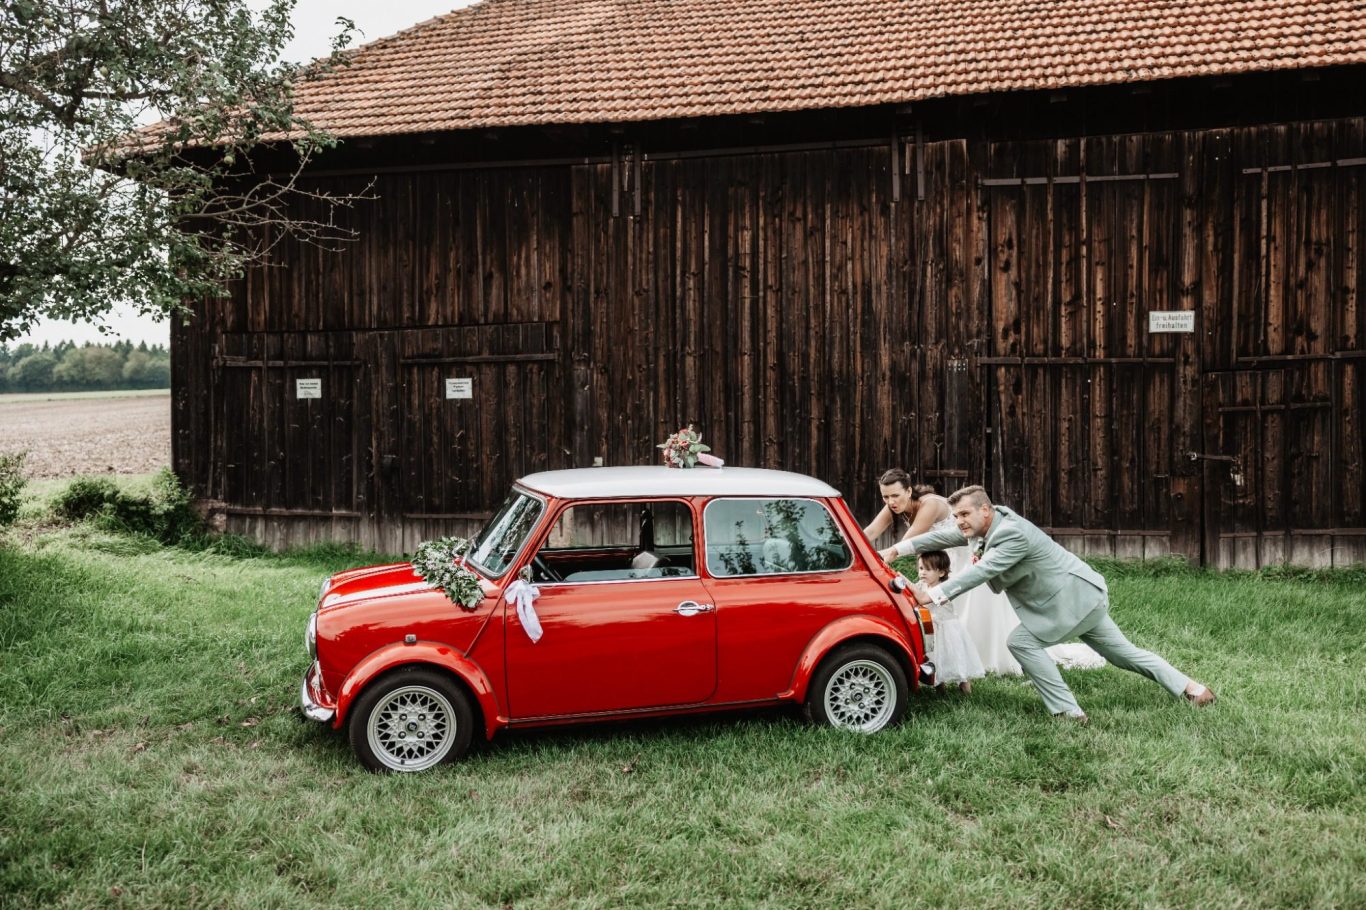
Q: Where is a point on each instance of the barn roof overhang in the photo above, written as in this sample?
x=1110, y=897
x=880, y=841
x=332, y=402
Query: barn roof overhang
x=503, y=65
x=508, y=63
x=1192, y=103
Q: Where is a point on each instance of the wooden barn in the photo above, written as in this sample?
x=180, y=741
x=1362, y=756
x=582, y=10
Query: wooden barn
x=1106, y=257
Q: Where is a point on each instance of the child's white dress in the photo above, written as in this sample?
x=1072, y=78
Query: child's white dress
x=955, y=656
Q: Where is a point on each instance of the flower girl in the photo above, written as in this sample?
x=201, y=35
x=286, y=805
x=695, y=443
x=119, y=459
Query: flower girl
x=955, y=657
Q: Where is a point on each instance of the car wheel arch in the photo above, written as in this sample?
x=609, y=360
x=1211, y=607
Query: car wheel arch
x=893, y=647
x=387, y=661
x=861, y=685
x=847, y=631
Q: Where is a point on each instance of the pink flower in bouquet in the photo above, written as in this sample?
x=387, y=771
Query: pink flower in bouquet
x=685, y=449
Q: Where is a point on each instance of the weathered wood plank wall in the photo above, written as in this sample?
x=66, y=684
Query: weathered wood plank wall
x=971, y=310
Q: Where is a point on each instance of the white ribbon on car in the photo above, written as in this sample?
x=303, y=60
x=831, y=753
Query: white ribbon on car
x=523, y=594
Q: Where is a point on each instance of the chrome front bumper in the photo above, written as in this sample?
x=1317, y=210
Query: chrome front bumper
x=308, y=701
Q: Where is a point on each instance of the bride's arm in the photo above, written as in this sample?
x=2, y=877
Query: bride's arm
x=925, y=517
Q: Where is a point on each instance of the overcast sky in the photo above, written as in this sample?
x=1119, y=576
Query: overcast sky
x=314, y=26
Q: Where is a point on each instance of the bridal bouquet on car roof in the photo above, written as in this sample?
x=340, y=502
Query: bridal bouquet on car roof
x=685, y=449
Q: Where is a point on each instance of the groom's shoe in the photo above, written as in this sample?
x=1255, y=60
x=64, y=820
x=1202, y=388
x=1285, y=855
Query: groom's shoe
x=1080, y=719
x=1201, y=697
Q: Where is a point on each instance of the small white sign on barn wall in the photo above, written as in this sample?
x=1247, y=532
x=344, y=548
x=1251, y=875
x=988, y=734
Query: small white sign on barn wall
x=308, y=388
x=460, y=388
x=1171, y=321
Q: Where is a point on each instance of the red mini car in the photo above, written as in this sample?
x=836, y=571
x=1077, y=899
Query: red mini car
x=660, y=591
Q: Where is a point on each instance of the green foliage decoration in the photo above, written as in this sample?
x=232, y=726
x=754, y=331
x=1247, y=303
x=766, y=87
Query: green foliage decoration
x=441, y=563
x=11, y=486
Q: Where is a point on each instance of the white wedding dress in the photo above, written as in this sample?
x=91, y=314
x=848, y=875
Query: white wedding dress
x=989, y=619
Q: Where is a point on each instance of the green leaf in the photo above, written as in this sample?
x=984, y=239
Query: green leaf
x=156, y=228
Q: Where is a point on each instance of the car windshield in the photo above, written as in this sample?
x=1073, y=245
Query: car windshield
x=497, y=544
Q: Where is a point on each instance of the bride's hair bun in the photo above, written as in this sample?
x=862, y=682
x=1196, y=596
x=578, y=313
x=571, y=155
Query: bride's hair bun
x=895, y=475
x=921, y=489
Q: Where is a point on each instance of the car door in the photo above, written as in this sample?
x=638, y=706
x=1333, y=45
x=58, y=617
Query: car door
x=778, y=570
x=622, y=629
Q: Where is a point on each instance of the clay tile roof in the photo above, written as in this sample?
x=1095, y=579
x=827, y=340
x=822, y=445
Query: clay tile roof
x=518, y=62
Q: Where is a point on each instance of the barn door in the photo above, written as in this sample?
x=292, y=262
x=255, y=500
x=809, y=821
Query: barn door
x=284, y=438
x=465, y=412
x=1283, y=410
x=1085, y=407
x=1268, y=465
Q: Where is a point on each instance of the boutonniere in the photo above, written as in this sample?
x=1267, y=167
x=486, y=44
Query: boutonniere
x=978, y=549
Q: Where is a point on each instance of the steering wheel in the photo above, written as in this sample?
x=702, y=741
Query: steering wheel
x=542, y=568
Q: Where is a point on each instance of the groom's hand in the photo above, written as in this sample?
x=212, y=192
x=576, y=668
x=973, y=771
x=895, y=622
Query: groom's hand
x=888, y=554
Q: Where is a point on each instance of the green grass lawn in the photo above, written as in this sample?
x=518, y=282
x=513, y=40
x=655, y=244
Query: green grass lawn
x=36, y=498
x=151, y=755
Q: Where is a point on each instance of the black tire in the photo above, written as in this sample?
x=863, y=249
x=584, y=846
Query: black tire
x=857, y=687
x=411, y=720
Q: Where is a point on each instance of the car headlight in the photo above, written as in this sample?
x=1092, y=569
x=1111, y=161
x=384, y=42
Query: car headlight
x=311, y=637
x=322, y=589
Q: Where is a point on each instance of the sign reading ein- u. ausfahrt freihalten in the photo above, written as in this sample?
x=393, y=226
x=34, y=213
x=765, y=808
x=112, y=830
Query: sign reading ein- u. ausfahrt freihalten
x=1171, y=321
x=459, y=388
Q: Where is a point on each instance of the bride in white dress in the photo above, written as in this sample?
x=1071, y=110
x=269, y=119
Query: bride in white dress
x=988, y=616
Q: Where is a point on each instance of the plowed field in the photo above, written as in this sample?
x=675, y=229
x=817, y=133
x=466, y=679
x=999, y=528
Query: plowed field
x=69, y=436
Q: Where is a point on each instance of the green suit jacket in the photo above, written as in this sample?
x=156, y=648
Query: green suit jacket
x=1053, y=592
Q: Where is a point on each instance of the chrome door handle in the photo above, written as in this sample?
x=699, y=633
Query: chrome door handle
x=692, y=608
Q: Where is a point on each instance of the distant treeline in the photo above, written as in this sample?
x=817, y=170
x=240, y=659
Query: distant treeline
x=68, y=368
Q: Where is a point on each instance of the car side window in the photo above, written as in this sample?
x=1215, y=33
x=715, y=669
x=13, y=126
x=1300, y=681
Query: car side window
x=618, y=541
x=769, y=536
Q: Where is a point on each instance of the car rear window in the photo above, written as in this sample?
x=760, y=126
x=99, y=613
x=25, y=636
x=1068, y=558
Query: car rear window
x=772, y=536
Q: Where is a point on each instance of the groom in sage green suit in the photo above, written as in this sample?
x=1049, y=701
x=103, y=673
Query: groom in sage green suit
x=1056, y=595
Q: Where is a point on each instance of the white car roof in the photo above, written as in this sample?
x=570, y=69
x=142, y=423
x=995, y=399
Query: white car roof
x=641, y=481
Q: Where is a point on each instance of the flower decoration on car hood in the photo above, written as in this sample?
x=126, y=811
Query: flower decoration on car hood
x=441, y=563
